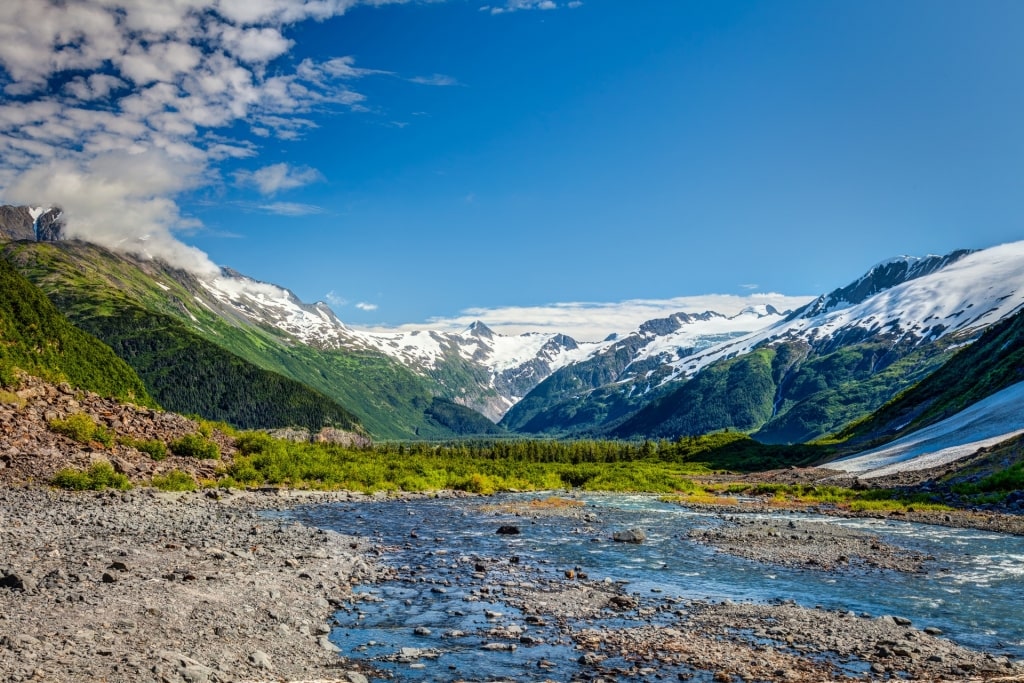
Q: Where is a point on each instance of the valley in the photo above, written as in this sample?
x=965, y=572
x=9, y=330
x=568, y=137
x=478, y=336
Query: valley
x=799, y=472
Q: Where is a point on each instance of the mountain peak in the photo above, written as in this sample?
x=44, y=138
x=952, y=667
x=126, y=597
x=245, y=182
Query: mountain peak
x=32, y=223
x=478, y=329
x=882, y=276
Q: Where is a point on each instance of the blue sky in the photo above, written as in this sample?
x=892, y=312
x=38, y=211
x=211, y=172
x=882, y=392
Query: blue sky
x=455, y=157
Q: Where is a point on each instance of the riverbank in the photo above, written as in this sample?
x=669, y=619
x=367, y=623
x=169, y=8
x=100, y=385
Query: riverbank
x=146, y=586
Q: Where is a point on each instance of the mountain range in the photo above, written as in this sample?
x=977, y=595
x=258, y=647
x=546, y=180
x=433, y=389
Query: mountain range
x=226, y=346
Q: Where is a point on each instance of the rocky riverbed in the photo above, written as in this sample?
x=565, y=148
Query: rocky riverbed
x=148, y=586
x=798, y=543
x=785, y=642
x=143, y=586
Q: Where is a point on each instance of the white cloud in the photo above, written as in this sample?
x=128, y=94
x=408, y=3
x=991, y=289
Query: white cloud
x=119, y=200
x=334, y=300
x=363, y=306
x=276, y=177
x=291, y=209
x=255, y=45
x=439, y=80
x=517, y=5
x=594, y=321
x=142, y=85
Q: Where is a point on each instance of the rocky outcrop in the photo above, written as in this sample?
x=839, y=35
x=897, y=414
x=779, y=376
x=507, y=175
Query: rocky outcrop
x=26, y=223
x=31, y=452
x=330, y=435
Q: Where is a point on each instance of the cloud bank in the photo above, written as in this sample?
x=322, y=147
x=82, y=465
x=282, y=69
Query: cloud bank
x=590, y=321
x=110, y=108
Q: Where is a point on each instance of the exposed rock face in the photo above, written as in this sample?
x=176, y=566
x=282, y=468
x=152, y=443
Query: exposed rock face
x=325, y=435
x=26, y=223
x=30, y=451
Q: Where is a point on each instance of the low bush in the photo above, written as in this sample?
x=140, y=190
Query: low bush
x=8, y=374
x=83, y=429
x=195, y=446
x=100, y=476
x=154, y=448
x=175, y=480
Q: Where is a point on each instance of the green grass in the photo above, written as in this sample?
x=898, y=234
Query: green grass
x=801, y=495
x=482, y=467
x=11, y=399
x=99, y=476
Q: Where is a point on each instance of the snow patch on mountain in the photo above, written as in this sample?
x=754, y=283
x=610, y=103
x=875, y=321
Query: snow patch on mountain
x=698, y=332
x=269, y=304
x=983, y=424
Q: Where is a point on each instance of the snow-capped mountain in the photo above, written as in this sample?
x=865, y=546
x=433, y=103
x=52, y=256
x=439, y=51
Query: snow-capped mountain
x=907, y=300
x=840, y=357
x=478, y=367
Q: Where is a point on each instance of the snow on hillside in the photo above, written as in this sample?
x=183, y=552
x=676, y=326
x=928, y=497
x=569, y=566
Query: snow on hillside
x=986, y=423
x=970, y=293
x=497, y=352
x=701, y=332
x=268, y=304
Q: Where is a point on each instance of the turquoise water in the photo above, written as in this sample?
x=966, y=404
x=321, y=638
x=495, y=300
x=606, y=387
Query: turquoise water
x=973, y=589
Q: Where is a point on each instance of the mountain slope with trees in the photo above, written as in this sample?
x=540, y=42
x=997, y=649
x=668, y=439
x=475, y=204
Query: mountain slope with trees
x=36, y=338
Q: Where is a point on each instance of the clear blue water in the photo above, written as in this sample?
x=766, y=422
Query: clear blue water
x=973, y=589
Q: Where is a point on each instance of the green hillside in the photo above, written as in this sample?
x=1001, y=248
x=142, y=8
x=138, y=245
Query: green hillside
x=97, y=288
x=37, y=338
x=787, y=393
x=191, y=375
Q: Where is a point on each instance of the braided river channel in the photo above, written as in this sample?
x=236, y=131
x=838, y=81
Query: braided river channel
x=446, y=614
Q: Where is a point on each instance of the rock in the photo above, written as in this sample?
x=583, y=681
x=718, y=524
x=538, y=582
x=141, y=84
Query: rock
x=902, y=621
x=421, y=631
x=24, y=641
x=933, y=631
x=326, y=644
x=499, y=647
x=356, y=677
x=118, y=566
x=629, y=536
x=195, y=673
x=509, y=530
x=260, y=660
x=108, y=578
x=622, y=602
x=16, y=581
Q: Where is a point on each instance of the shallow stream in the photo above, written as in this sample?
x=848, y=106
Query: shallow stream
x=973, y=589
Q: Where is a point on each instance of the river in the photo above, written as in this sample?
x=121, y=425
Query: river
x=972, y=588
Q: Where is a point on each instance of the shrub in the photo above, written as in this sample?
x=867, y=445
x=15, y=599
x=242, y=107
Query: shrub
x=100, y=476
x=154, y=448
x=83, y=429
x=1010, y=479
x=8, y=375
x=253, y=442
x=195, y=446
x=175, y=480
